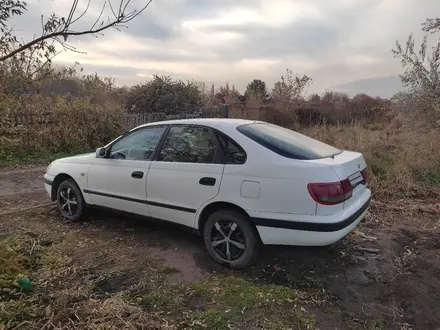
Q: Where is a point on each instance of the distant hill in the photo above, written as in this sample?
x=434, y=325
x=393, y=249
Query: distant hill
x=380, y=86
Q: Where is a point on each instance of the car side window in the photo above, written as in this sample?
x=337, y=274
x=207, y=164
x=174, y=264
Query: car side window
x=138, y=145
x=233, y=153
x=188, y=144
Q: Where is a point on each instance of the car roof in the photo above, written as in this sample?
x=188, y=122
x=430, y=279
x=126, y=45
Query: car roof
x=218, y=123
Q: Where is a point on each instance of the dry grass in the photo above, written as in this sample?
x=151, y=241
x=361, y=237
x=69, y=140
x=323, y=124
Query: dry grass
x=401, y=164
x=81, y=281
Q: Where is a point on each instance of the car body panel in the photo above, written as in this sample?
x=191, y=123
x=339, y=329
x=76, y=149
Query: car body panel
x=312, y=231
x=174, y=192
x=110, y=184
x=75, y=169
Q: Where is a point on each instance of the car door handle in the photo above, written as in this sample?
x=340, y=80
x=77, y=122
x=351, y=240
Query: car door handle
x=137, y=175
x=207, y=181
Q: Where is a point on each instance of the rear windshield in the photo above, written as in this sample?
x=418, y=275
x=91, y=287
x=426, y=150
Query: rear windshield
x=286, y=142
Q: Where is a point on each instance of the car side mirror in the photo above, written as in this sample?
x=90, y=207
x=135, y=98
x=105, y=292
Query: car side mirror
x=101, y=152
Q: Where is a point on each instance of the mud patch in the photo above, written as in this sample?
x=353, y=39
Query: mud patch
x=183, y=261
x=116, y=282
x=175, y=247
x=21, y=182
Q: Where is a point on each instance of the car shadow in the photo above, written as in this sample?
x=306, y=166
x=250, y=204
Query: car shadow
x=180, y=247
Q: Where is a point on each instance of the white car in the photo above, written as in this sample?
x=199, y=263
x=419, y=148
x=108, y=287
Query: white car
x=239, y=183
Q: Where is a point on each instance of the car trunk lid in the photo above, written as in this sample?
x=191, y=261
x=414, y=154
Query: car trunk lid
x=348, y=165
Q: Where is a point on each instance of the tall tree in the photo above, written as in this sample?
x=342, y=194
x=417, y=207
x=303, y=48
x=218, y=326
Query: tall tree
x=422, y=66
x=258, y=88
x=291, y=87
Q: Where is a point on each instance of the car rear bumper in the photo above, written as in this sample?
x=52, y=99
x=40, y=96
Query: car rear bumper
x=315, y=231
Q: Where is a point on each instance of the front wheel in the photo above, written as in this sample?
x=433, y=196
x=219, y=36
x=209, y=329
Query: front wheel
x=231, y=239
x=70, y=201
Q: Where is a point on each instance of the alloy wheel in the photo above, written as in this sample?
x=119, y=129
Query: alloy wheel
x=68, y=201
x=228, y=240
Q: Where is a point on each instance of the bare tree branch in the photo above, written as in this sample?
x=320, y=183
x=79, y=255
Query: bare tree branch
x=100, y=14
x=57, y=28
x=82, y=15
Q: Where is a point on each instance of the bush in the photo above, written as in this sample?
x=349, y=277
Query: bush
x=69, y=126
x=163, y=95
x=398, y=165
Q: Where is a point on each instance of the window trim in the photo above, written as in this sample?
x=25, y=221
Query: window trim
x=109, y=146
x=215, y=133
x=218, y=152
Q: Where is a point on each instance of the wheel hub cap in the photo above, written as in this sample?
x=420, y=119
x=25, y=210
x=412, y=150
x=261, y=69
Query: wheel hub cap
x=68, y=201
x=228, y=240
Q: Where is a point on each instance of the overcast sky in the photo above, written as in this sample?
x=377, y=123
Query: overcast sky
x=333, y=41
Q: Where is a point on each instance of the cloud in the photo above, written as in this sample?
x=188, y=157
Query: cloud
x=379, y=86
x=334, y=42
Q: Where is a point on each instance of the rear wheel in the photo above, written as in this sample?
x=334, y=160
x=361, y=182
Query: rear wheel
x=230, y=239
x=70, y=201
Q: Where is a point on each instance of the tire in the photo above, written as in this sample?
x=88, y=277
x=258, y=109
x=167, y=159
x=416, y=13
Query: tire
x=70, y=190
x=239, y=230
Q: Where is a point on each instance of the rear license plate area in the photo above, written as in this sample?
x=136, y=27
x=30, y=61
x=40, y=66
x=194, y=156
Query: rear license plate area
x=355, y=179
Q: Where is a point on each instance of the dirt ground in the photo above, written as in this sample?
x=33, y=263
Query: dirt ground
x=386, y=275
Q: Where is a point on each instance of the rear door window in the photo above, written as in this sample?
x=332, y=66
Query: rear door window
x=286, y=142
x=188, y=144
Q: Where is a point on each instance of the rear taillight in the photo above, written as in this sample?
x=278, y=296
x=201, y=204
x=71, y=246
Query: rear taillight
x=364, y=173
x=331, y=193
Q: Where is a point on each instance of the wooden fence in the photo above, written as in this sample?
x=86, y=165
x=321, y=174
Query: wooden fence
x=132, y=120
x=28, y=130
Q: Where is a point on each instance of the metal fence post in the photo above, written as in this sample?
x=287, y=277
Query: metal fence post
x=224, y=110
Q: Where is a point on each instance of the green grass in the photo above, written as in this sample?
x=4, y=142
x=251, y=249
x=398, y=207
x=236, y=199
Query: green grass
x=167, y=270
x=238, y=293
x=225, y=302
x=13, y=263
x=18, y=311
x=378, y=325
x=236, y=300
x=14, y=160
x=380, y=163
x=156, y=300
x=429, y=176
x=210, y=319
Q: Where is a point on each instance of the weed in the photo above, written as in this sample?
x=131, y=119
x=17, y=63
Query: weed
x=304, y=321
x=380, y=163
x=429, y=176
x=54, y=259
x=210, y=319
x=239, y=293
x=156, y=300
x=237, y=297
x=17, y=159
x=167, y=270
x=17, y=311
x=13, y=262
x=378, y=325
